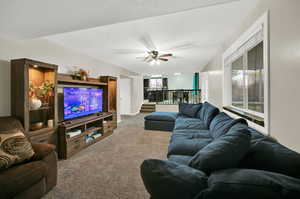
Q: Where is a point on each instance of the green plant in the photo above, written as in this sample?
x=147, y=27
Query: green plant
x=45, y=89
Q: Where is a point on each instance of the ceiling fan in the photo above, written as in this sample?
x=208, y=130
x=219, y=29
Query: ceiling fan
x=154, y=57
x=152, y=54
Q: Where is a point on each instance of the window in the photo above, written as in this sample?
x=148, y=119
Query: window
x=246, y=78
x=237, y=73
x=255, y=79
x=156, y=83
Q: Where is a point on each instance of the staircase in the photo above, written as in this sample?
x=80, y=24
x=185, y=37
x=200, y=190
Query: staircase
x=147, y=108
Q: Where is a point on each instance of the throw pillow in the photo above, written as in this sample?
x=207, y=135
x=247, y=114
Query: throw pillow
x=224, y=152
x=14, y=148
x=189, y=110
x=207, y=113
x=169, y=180
x=250, y=184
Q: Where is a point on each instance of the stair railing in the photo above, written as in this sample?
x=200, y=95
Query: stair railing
x=164, y=96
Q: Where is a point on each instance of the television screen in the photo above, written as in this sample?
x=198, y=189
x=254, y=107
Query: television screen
x=82, y=101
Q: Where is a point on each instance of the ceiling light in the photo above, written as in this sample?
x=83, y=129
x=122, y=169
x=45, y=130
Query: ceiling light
x=177, y=74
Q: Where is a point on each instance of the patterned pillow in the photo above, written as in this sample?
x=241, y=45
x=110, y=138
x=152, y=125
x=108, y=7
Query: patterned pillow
x=14, y=148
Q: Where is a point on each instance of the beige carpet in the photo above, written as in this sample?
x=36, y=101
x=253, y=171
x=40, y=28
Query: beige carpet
x=110, y=169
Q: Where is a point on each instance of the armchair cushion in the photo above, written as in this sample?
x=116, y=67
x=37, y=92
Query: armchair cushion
x=15, y=147
x=169, y=180
x=224, y=152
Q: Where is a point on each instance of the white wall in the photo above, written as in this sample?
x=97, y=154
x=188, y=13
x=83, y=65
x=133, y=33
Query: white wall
x=137, y=93
x=4, y=88
x=43, y=50
x=284, y=67
x=166, y=108
x=183, y=81
x=214, y=83
x=125, y=96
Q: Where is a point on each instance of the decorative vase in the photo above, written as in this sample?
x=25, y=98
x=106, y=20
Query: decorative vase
x=35, y=103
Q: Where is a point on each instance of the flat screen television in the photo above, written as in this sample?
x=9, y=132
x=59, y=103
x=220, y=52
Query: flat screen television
x=80, y=102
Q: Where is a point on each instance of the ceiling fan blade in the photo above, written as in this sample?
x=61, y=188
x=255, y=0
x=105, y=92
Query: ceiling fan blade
x=128, y=51
x=147, y=41
x=163, y=59
x=166, y=55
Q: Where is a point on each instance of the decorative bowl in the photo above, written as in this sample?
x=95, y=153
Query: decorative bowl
x=36, y=126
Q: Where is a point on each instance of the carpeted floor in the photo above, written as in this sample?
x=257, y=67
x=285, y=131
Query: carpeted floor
x=110, y=169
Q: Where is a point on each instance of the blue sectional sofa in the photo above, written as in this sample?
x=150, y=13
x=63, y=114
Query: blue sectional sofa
x=213, y=156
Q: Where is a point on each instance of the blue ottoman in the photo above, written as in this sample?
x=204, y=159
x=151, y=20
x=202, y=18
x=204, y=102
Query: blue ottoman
x=160, y=121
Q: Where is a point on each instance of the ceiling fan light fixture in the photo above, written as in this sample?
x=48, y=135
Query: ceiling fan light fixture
x=152, y=62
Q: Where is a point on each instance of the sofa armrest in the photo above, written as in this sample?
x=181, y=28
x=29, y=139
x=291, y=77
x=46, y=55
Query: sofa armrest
x=42, y=150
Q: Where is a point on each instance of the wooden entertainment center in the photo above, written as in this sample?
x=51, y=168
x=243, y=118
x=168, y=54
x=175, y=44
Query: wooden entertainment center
x=93, y=129
x=41, y=116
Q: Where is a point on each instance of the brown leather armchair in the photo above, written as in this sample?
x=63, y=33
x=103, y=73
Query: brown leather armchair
x=32, y=179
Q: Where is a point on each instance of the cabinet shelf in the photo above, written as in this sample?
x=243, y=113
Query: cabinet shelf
x=62, y=78
x=88, y=131
x=41, y=108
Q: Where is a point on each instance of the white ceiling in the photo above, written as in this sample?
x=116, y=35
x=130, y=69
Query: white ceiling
x=36, y=18
x=202, y=30
x=103, y=28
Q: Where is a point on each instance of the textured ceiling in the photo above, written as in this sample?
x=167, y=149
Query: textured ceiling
x=36, y=18
x=192, y=36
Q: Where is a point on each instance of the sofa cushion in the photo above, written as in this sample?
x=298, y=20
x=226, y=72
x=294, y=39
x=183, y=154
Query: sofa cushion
x=188, y=144
x=169, y=180
x=189, y=123
x=250, y=184
x=257, y=136
x=162, y=116
x=272, y=156
x=189, y=110
x=207, y=113
x=180, y=159
x=20, y=177
x=192, y=131
x=15, y=147
x=222, y=123
x=224, y=152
